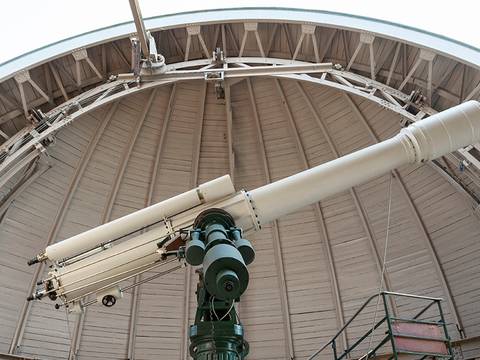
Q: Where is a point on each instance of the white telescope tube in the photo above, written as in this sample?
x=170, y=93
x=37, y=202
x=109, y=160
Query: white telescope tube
x=422, y=141
x=208, y=192
x=109, y=266
x=101, y=270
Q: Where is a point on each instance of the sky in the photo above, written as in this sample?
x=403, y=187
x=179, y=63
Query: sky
x=30, y=24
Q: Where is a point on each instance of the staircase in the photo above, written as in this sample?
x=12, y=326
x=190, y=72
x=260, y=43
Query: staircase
x=420, y=336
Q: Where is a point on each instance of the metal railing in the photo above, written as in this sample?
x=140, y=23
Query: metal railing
x=390, y=334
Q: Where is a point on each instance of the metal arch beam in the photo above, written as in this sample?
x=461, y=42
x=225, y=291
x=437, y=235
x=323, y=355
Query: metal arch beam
x=107, y=212
x=318, y=213
x=420, y=223
x=342, y=81
x=184, y=351
x=259, y=60
x=368, y=85
x=59, y=217
x=346, y=86
x=277, y=247
x=356, y=199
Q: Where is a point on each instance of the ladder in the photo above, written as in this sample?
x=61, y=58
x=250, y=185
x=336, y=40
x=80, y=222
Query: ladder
x=419, y=336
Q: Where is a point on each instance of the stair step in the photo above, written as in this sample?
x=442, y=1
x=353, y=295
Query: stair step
x=444, y=356
x=419, y=337
x=439, y=323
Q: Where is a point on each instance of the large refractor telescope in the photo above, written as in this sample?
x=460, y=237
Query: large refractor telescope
x=205, y=227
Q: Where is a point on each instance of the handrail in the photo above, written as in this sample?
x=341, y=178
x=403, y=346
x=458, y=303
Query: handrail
x=411, y=296
x=344, y=326
x=382, y=293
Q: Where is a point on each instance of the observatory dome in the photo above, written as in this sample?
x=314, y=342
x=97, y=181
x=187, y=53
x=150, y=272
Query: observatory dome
x=84, y=143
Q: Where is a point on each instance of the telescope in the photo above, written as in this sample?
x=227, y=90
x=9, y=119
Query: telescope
x=206, y=228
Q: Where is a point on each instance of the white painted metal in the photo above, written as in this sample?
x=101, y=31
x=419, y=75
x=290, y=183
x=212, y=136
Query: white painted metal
x=388, y=30
x=140, y=26
x=107, y=266
x=444, y=232
x=422, y=141
x=205, y=193
x=367, y=90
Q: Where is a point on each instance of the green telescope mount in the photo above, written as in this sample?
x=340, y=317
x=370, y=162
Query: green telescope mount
x=217, y=245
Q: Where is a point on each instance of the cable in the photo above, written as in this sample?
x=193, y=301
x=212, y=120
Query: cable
x=228, y=312
x=213, y=307
x=380, y=287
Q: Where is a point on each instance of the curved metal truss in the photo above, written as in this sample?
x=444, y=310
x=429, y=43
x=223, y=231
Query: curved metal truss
x=29, y=144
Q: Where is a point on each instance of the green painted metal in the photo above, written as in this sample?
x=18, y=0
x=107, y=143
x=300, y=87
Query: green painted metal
x=226, y=275
x=389, y=319
x=244, y=246
x=218, y=340
x=217, y=333
x=195, y=249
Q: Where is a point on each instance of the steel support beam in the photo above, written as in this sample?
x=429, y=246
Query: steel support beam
x=365, y=39
x=14, y=113
x=424, y=55
x=239, y=72
x=251, y=27
x=195, y=31
x=82, y=55
x=308, y=31
x=389, y=98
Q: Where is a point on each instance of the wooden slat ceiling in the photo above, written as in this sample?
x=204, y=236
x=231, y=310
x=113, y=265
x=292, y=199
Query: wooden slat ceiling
x=313, y=268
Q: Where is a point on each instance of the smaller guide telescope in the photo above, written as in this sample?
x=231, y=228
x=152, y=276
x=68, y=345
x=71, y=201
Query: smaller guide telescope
x=205, y=227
